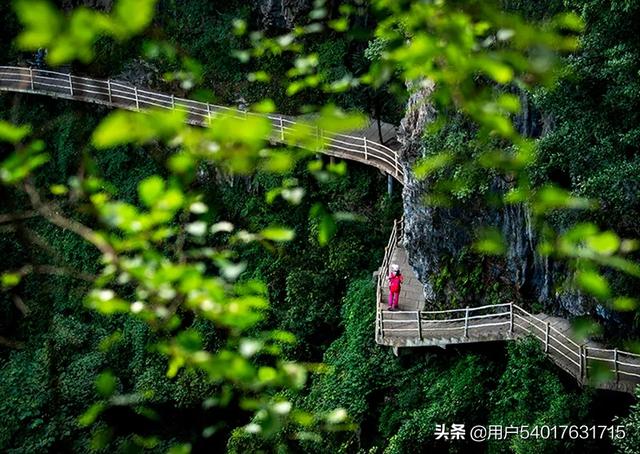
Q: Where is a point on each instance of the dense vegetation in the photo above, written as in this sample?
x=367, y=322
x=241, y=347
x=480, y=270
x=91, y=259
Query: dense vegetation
x=58, y=356
x=585, y=127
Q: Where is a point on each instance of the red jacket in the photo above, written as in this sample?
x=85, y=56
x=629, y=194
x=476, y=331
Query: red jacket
x=394, y=282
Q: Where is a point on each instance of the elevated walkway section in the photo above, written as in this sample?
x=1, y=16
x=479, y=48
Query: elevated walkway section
x=412, y=326
x=361, y=146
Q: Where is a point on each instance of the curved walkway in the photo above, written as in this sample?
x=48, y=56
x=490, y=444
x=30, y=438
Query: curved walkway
x=588, y=362
x=360, y=146
x=412, y=326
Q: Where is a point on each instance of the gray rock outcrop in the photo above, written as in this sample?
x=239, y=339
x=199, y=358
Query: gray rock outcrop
x=435, y=235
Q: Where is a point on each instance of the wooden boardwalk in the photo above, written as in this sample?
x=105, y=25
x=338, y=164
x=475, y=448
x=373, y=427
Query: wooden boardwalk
x=362, y=145
x=413, y=326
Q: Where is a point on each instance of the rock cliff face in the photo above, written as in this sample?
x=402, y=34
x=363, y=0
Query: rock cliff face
x=282, y=13
x=436, y=235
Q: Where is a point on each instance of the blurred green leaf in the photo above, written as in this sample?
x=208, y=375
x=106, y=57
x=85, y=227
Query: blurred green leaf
x=134, y=15
x=20, y=164
x=325, y=223
x=9, y=280
x=552, y=197
x=106, y=383
x=490, y=241
x=11, y=133
x=593, y=283
x=122, y=127
x=89, y=416
x=151, y=189
x=625, y=304
x=277, y=234
x=583, y=327
x=106, y=302
x=41, y=20
x=426, y=166
x=599, y=372
x=183, y=448
x=605, y=243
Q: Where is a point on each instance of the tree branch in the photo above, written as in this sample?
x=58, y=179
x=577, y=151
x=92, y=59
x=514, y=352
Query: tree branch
x=22, y=307
x=13, y=217
x=69, y=224
x=55, y=271
x=10, y=343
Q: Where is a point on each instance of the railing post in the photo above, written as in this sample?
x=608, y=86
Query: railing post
x=381, y=324
x=173, y=103
x=546, y=339
x=70, y=85
x=31, y=78
x=615, y=363
x=580, y=360
x=366, y=149
x=511, y=318
x=135, y=90
x=395, y=155
x=208, y=112
x=109, y=90
x=419, y=324
x=466, y=322
x=281, y=129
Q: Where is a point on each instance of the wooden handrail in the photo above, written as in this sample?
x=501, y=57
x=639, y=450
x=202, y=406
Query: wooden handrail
x=122, y=95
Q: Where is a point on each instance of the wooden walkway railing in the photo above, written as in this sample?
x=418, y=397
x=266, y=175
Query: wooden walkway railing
x=396, y=234
x=118, y=94
x=587, y=361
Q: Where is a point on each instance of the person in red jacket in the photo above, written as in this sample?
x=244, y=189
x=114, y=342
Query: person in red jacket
x=395, y=283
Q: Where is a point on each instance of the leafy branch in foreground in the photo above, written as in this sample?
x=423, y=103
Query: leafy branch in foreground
x=158, y=264
x=167, y=260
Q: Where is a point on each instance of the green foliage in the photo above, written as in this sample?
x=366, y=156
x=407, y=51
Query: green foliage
x=73, y=37
x=24, y=400
x=464, y=280
x=358, y=368
x=530, y=393
x=631, y=442
x=590, y=149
